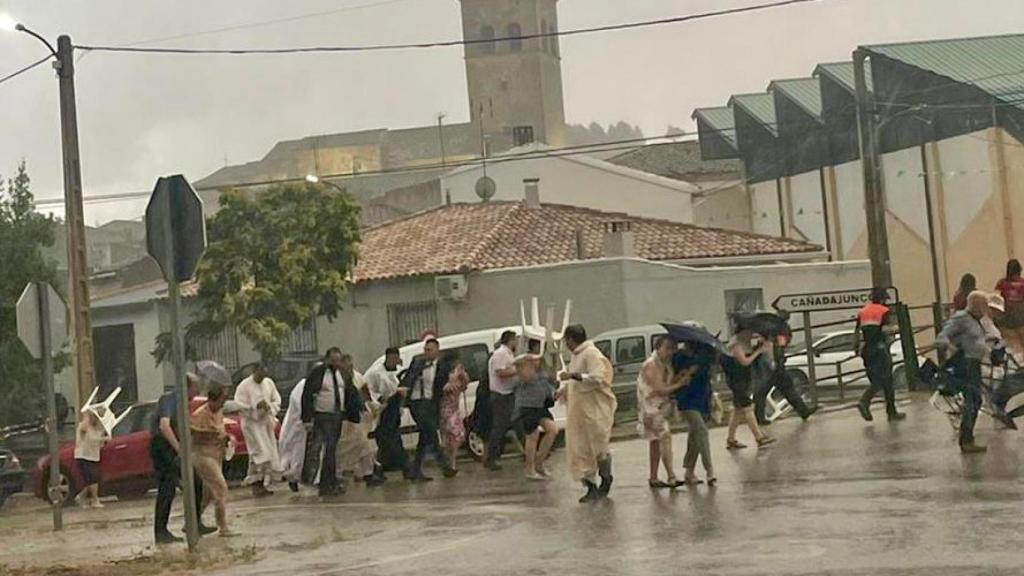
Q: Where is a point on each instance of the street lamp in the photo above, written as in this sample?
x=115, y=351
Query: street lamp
x=78, y=278
x=314, y=179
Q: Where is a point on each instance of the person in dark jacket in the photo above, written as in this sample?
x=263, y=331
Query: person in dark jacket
x=872, y=321
x=329, y=398
x=780, y=380
x=694, y=402
x=423, y=385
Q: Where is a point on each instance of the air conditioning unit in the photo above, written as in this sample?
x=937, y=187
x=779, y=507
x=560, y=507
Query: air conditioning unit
x=454, y=288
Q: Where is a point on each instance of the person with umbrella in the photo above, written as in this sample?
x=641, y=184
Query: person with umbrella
x=775, y=327
x=744, y=348
x=872, y=322
x=655, y=385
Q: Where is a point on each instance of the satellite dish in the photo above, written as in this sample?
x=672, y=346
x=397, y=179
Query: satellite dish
x=486, y=187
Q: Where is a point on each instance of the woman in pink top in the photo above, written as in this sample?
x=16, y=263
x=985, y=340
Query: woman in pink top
x=1011, y=323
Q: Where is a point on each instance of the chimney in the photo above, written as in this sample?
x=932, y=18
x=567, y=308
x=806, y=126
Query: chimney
x=580, y=246
x=532, y=191
x=618, y=239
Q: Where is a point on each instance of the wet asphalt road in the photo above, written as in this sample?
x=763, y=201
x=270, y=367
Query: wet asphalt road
x=834, y=496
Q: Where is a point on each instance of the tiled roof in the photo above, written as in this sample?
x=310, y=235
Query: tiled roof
x=487, y=236
x=677, y=160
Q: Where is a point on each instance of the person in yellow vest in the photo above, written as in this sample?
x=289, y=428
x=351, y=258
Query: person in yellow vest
x=586, y=388
x=873, y=323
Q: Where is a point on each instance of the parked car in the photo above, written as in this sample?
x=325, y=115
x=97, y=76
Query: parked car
x=12, y=476
x=285, y=372
x=126, y=469
x=836, y=352
x=473, y=349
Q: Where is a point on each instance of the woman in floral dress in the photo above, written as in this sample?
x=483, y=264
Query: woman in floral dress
x=453, y=430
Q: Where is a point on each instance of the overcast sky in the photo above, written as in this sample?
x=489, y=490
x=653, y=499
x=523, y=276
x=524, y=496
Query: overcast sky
x=142, y=116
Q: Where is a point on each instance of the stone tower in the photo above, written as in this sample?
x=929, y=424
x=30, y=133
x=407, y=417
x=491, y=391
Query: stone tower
x=515, y=86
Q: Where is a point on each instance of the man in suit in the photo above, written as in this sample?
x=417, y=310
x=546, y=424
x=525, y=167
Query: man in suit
x=422, y=385
x=329, y=398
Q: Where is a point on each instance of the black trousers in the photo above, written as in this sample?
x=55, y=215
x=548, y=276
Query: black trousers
x=879, y=369
x=167, y=469
x=425, y=413
x=328, y=427
x=970, y=387
x=781, y=381
x=390, y=451
x=502, y=407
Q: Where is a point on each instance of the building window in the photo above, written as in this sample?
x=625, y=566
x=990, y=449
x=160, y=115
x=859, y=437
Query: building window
x=522, y=135
x=515, y=43
x=743, y=301
x=487, y=35
x=408, y=322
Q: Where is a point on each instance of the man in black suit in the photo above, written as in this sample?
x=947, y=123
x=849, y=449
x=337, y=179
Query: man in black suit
x=329, y=398
x=422, y=385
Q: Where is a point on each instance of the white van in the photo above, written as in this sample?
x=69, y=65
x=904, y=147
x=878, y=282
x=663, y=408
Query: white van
x=627, y=348
x=473, y=349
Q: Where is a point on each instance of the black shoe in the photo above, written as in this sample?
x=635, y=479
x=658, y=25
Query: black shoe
x=450, y=472
x=972, y=448
x=897, y=416
x=865, y=411
x=293, y=486
x=206, y=530
x=810, y=412
x=592, y=492
x=167, y=538
x=606, y=485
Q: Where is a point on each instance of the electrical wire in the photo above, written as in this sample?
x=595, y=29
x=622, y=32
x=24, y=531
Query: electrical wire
x=24, y=69
x=451, y=43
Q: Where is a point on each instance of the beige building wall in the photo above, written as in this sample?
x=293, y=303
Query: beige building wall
x=764, y=208
x=723, y=205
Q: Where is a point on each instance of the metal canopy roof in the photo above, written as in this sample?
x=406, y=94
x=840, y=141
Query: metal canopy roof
x=721, y=120
x=761, y=106
x=805, y=92
x=842, y=74
x=994, y=64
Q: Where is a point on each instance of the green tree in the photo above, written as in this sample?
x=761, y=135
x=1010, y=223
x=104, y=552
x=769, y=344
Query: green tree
x=274, y=260
x=23, y=234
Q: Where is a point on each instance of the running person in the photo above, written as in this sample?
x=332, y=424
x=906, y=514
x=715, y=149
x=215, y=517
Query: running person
x=874, y=350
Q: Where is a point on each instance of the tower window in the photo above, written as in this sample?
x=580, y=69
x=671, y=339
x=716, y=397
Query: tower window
x=487, y=35
x=522, y=135
x=515, y=43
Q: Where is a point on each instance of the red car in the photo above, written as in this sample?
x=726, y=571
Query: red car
x=126, y=469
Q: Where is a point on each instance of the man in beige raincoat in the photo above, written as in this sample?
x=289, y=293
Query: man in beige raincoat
x=586, y=388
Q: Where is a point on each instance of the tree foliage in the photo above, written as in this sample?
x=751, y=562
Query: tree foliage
x=23, y=234
x=274, y=260
x=595, y=134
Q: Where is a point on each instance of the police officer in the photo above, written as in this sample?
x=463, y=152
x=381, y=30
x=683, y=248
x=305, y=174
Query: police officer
x=874, y=350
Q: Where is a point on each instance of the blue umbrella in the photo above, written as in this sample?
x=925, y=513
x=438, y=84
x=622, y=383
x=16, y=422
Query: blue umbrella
x=692, y=335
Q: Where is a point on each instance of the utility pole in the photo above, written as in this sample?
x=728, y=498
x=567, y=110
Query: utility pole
x=78, y=278
x=871, y=163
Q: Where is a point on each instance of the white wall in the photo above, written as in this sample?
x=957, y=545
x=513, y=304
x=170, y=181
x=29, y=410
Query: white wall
x=850, y=205
x=808, y=213
x=764, y=208
x=573, y=182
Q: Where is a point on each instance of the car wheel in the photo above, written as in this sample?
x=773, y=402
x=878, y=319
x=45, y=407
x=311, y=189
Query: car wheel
x=803, y=384
x=476, y=445
x=67, y=485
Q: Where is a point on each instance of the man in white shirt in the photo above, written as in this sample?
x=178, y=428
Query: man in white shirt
x=383, y=383
x=328, y=399
x=259, y=402
x=501, y=370
x=423, y=383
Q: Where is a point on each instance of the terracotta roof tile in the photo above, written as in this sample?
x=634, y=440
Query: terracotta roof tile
x=487, y=236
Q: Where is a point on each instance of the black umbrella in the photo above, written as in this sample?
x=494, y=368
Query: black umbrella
x=766, y=324
x=692, y=335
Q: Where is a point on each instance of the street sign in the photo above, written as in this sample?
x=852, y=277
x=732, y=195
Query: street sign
x=178, y=247
x=826, y=300
x=30, y=323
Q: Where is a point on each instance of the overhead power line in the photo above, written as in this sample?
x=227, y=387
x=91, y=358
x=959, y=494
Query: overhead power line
x=24, y=69
x=450, y=43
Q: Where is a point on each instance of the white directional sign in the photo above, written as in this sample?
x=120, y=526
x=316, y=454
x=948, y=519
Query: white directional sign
x=828, y=300
x=29, y=322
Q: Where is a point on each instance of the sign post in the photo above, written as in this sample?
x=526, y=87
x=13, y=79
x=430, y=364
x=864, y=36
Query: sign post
x=43, y=335
x=824, y=301
x=176, y=239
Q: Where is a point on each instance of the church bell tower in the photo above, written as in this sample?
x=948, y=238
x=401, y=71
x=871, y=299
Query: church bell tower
x=515, y=86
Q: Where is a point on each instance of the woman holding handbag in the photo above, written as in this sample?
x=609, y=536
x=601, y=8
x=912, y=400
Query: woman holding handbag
x=453, y=430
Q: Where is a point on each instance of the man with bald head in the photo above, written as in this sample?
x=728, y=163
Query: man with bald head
x=965, y=341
